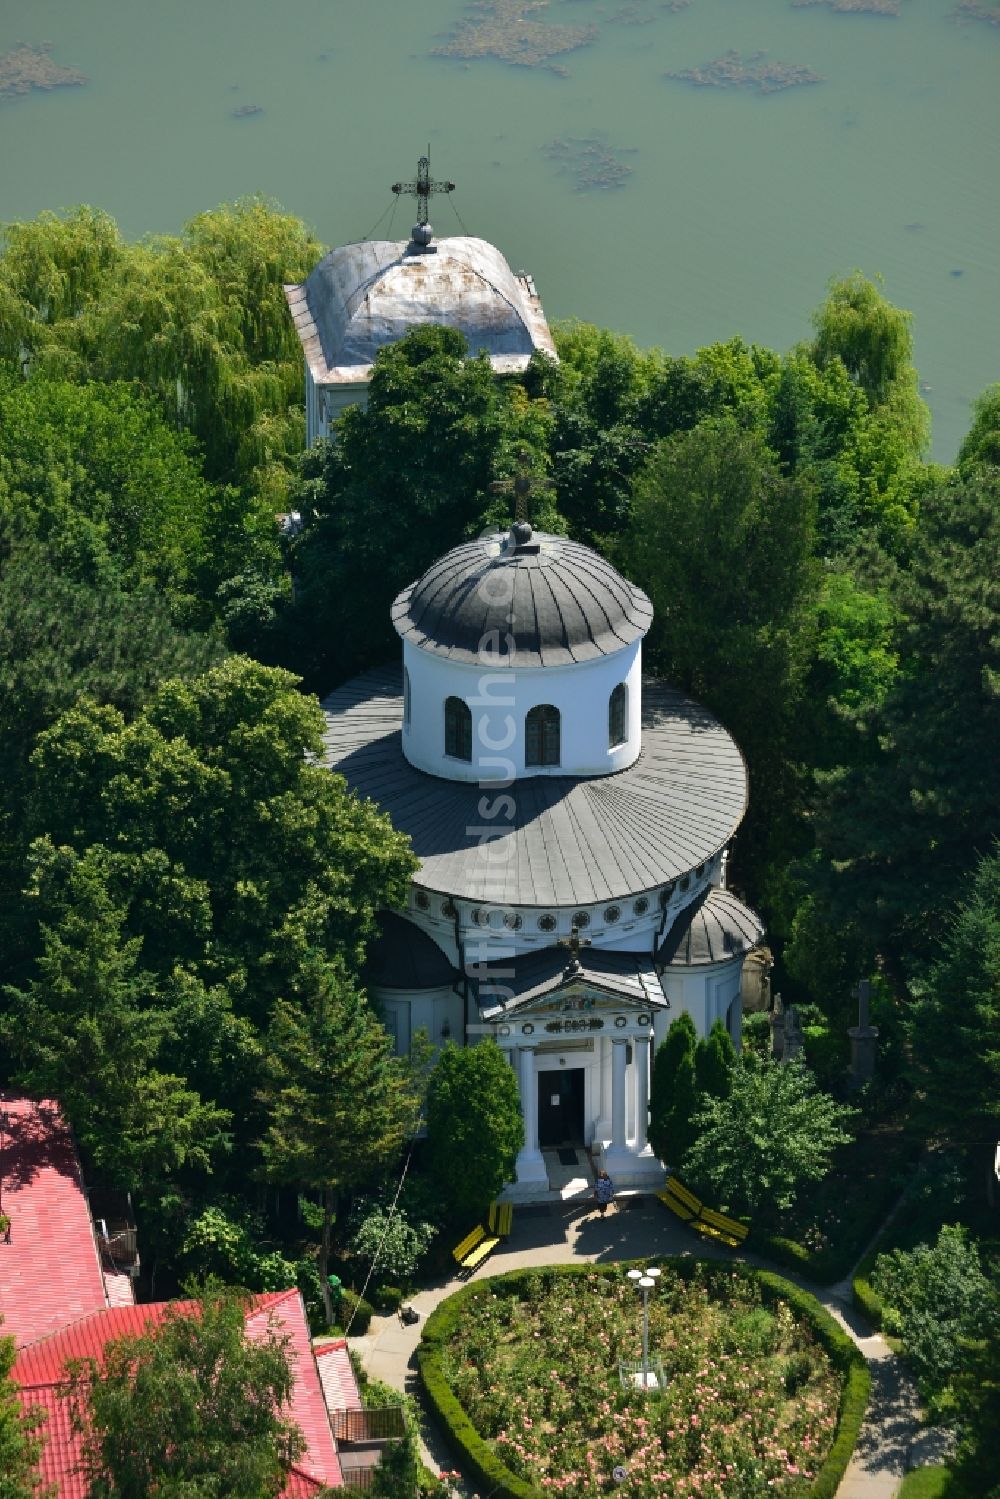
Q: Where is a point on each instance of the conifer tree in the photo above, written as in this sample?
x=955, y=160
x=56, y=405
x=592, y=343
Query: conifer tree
x=714, y=1060
x=474, y=1127
x=339, y=1103
x=673, y=1095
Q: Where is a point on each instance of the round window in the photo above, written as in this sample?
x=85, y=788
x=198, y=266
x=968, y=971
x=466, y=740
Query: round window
x=448, y=909
x=581, y=919
x=547, y=923
x=612, y=914
x=422, y=900
x=512, y=921
x=641, y=906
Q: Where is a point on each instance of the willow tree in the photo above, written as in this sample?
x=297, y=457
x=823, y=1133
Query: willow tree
x=199, y=321
x=873, y=340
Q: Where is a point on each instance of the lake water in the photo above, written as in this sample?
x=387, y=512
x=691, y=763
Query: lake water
x=734, y=209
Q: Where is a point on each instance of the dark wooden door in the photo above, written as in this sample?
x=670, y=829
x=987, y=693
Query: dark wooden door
x=560, y=1107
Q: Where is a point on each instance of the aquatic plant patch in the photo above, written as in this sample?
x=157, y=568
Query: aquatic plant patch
x=592, y=165
x=25, y=68
x=855, y=7
x=750, y=1398
x=732, y=70
x=504, y=29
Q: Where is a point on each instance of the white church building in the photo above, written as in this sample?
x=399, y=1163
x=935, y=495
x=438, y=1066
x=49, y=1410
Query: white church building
x=571, y=818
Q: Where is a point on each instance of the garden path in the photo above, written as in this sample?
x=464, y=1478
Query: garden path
x=640, y=1228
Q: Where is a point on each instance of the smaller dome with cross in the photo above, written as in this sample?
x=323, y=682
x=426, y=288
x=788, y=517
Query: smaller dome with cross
x=557, y=601
x=525, y=643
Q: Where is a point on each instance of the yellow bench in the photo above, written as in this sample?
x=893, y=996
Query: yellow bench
x=680, y=1200
x=718, y=1226
x=474, y=1248
x=501, y=1219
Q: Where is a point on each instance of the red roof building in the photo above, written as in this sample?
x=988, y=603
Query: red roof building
x=59, y=1304
x=50, y=1272
x=40, y=1372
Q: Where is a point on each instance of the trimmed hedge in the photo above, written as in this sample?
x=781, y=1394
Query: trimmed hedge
x=493, y=1476
x=867, y=1301
x=351, y=1304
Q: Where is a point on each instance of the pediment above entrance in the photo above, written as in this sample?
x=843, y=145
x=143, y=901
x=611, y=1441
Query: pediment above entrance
x=548, y=983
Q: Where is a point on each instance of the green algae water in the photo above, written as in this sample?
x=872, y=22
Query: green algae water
x=674, y=212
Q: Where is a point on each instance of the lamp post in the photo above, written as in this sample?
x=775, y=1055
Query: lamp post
x=644, y=1281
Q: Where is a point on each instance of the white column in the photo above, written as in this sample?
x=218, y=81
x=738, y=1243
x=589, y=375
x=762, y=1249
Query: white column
x=618, y=1065
x=529, y=1100
x=641, y=1054
x=530, y=1164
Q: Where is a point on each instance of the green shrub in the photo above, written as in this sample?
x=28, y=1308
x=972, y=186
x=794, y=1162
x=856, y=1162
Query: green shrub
x=387, y=1298
x=355, y=1312
x=397, y=1244
x=933, y=1297
x=492, y=1476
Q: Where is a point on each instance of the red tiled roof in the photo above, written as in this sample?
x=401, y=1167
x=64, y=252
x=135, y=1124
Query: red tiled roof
x=39, y=1370
x=50, y=1273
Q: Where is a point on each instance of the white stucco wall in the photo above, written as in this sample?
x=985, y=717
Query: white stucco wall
x=440, y=1012
x=324, y=404
x=500, y=698
x=706, y=993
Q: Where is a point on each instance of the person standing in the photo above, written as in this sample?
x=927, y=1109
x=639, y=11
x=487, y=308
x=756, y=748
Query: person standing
x=604, y=1191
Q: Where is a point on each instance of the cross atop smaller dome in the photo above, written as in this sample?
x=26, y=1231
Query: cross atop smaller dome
x=559, y=601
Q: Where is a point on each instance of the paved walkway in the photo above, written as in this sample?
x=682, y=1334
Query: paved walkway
x=573, y=1233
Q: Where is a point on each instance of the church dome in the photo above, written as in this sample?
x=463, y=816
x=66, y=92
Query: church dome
x=561, y=602
x=714, y=928
x=364, y=296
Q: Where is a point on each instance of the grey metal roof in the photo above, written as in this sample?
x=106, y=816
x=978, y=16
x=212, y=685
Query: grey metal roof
x=713, y=928
x=505, y=986
x=363, y=296
x=561, y=602
x=571, y=841
x=404, y=957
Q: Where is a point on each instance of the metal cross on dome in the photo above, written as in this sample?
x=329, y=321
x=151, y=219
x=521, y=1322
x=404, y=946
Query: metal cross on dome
x=522, y=485
x=422, y=188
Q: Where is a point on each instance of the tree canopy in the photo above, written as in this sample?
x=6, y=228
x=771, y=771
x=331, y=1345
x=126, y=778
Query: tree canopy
x=339, y=1104
x=474, y=1128
x=773, y=1134
x=191, y=1407
x=20, y=1440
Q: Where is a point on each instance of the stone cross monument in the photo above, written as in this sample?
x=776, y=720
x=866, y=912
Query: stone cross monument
x=863, y=1036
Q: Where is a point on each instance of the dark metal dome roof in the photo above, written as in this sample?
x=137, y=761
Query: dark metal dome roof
x=404, y=957
x=573, y=841
x=712, y=929
x=559, y=600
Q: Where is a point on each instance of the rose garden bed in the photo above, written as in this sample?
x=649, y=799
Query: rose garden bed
x=764, y=1393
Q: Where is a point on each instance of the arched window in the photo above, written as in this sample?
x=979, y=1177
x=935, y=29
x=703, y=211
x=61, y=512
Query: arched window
x=617, y=712
x=457, y=729
x=541, y=736
x=406, y=697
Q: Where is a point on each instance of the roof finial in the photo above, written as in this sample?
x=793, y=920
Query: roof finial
x=522, y=486
x=422, y=188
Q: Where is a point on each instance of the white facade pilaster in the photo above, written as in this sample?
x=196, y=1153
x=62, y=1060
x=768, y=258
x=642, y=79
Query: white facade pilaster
x=618, y=1081
x=641, y=1054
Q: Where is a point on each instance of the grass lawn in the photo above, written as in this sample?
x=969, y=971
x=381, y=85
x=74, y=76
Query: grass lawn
x=928, y=1483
